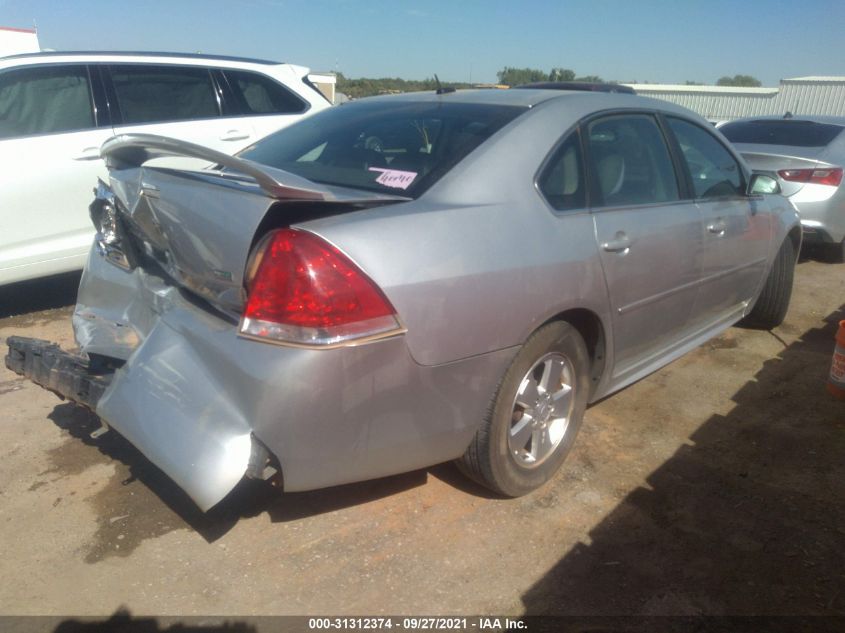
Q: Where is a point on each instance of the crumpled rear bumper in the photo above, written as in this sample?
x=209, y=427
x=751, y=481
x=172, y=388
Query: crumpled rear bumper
x=205, y=456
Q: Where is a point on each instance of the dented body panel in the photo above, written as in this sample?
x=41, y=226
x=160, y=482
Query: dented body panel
x=191, y=393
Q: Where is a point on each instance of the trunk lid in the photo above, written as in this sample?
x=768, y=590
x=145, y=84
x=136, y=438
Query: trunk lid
x=197, y=228
x=774, y=158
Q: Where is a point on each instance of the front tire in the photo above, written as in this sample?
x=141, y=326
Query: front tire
x=773, y=302
x=534, y=416
x=834, y=253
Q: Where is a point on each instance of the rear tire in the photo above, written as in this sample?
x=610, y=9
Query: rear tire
x=534, y=416
x=773, y=302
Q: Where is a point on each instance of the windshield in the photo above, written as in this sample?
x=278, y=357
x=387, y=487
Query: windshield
x=796, y=133
x=390, y=147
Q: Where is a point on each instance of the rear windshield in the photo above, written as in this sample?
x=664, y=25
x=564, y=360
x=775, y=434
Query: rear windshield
x=389, y=147
x=797, y=133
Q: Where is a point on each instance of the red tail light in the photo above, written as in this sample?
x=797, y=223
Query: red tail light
x=304, y=291
x=831, y=176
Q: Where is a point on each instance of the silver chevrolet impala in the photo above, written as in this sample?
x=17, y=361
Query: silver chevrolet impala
x=407, y=280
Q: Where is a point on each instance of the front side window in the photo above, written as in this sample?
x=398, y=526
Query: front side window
x=389, y=146
x=562, y=181
x=150, y=93
x=714, y=171
x=630, y=161
x=45, y=100
x=261, y=95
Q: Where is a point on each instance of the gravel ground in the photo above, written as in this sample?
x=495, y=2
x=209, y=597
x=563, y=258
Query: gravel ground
x=714, y=486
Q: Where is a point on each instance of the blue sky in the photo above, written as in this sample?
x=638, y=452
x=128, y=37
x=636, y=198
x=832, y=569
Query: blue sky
x=660, y=41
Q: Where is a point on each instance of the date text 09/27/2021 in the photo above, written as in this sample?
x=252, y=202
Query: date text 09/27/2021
x=416, y=623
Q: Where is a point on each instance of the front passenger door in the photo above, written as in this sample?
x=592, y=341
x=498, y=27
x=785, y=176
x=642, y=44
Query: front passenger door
x=736, y=236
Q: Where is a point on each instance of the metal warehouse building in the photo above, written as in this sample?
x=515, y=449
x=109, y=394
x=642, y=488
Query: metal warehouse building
x=802, y=95
x=14, y=41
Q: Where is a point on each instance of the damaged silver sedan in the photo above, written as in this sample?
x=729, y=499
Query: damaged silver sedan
x=408, y=280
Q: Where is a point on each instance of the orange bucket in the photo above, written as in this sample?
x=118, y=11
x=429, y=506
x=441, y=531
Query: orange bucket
x=836, y=382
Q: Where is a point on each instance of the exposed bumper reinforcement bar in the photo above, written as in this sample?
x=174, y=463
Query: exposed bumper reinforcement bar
x=210, y=456
x=69, y=376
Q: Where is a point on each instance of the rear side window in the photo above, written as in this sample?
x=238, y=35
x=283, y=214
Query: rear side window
x=630, y=161
x=258, y=94
x=785, y=132
x=562, y=181
x=149, y=93
x=45, y=100
x=713, y=170
x=389, y=146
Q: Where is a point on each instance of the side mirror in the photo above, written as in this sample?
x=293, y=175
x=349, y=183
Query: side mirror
x=762, y=183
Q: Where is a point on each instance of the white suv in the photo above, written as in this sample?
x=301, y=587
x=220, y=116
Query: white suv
x=57, y=109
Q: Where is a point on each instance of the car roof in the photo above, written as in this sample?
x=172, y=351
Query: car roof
x=119, y=54
x=583, y=102
x=577, y=85
x=493, y=96
x=832, y=120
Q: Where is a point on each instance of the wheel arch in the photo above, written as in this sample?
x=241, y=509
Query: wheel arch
x=589, y=325
x=796, y=236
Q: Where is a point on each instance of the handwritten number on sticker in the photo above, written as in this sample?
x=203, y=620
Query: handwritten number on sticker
x=394, y=178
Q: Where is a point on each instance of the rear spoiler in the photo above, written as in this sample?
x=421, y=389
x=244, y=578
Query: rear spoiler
x=133, y=150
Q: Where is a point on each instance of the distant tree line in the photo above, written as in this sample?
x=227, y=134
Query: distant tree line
x=745, y=81
x=366, y=87
x=508, y=76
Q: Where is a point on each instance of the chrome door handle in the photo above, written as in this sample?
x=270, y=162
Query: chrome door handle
x=235, y=135
x=620, y=244
x=717, y=227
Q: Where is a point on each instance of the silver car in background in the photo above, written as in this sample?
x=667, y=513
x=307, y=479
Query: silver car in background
x=806, y=154
x=407, y=280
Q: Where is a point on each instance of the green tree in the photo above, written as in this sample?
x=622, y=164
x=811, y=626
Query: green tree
x=367, y=87
x=561, y=74
x=746, y=81
x=516, y=76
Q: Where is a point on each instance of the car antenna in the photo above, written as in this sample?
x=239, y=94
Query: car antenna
x=440, y=89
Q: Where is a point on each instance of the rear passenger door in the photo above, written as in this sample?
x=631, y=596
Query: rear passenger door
x=737, y=234
x=260, y=101
x=183, y=102
x=649, y=239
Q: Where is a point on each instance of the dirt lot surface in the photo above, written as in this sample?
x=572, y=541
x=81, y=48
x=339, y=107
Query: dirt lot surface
x=714, y=486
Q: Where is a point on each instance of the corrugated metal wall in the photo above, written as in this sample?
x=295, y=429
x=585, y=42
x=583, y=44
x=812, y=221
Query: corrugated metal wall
x=813, y=96
x=818, y=96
